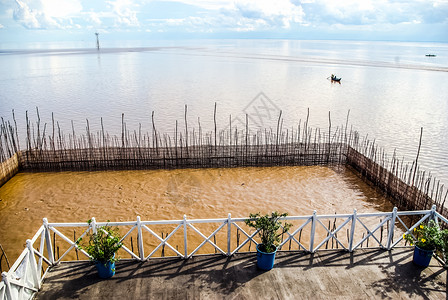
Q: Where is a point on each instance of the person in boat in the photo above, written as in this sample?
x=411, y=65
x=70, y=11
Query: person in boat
x=334, y=78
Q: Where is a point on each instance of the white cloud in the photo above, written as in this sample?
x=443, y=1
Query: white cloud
x=354, y=12
x=283, y=13
x=125, y=12
x=61, y=8
x=93, y=18
x=45, y=14
x=285, y=17
x=32, y=18
x=240, y=16
x=280, y=13
x=207, y=4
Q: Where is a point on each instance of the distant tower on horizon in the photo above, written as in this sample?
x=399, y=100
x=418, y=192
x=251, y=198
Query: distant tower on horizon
x=97, y=41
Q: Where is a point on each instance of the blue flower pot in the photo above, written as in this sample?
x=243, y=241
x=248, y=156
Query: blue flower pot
x=105, y=270
x=265, y=261
x=422, y=257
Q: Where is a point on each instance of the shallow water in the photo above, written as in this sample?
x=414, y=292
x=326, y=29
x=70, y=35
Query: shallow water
x=169, y=194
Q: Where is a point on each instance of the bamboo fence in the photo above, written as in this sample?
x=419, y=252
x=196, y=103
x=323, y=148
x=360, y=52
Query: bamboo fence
x=53, y=150
x=9, y=168
x=408, y=187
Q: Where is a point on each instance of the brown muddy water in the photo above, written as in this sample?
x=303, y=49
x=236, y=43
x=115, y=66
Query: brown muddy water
x=169, y=194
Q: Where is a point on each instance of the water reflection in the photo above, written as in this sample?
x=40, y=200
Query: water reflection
x=388, y=100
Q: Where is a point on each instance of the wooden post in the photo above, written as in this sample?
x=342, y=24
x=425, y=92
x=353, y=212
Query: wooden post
x=185, y=238
x=418, y=153
x=140, y=239
x=32, y=260
x=381, y=232
x=229, y=234
x=74, y=240
x=132, y=246
x=391, y=230
x=163, y=247
x=214, y=120
x=48, y=241
x=6, y=257
x=97, y=41
x=237, y=237
x=54, y=245
x=186, y=131
x=313, y=231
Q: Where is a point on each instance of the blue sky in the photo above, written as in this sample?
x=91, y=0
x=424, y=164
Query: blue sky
x=77, y=20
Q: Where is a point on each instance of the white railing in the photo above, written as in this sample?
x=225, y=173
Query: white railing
x=26, y=275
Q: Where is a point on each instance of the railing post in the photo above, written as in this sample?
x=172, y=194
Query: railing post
x=48, y=242
x=185, y=238
x=7, y=286
x=32, y=261
x=313, y=230
x=391, y=229
x=352, y=231
x=140, y=239
x=433, y=214
x=229, y=234
x=93, y=224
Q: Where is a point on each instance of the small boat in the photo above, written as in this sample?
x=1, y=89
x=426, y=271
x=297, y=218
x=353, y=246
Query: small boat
x=430, y=55
x=334, y=78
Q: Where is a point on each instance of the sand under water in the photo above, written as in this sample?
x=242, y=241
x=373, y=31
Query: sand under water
x=169, y=194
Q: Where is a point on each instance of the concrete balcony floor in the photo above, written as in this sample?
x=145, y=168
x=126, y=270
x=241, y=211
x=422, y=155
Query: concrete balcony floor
x=363, y=274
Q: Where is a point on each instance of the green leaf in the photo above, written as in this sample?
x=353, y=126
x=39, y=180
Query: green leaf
x=270, y=228
x=103, y=244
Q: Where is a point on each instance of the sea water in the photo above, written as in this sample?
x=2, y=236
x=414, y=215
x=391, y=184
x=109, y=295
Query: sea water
x=389, y=90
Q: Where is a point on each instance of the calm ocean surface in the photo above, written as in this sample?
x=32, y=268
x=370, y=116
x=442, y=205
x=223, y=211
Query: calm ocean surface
x=391, y=89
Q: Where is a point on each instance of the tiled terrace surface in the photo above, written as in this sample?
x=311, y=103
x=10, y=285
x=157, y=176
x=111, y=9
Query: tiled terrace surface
x=363, y=274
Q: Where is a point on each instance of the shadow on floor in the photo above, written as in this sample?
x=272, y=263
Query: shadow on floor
x=378, y=273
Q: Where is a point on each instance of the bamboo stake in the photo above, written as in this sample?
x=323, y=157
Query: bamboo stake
x=214, y=121
x=6, y=257
x=418, y=153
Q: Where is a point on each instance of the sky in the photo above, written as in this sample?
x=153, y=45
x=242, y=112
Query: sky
x=77, y=20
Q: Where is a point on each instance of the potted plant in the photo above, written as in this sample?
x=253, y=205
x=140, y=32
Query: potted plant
x=101, y=248
x=427, y=239
x=443, y=251
x=270, y=229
